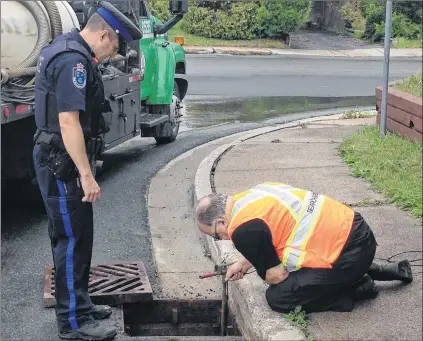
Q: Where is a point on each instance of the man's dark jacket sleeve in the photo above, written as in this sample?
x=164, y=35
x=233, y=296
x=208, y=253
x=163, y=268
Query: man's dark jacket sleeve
x=253, y=240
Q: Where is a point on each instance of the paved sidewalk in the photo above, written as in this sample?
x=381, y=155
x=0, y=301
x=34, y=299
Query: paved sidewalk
x=307, y=157
x=350, y=53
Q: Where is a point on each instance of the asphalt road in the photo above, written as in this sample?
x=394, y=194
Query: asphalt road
x=246, y=76
x=121, y=231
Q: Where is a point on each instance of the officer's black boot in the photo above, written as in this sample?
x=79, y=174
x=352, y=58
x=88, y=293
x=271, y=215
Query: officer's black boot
x=364, y=289
x=400, y=271
x=101, y=312
x=90, y=332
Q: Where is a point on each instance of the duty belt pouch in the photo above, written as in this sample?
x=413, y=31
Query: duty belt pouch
x=105, y=118
x=62, y=166
x=95, y=146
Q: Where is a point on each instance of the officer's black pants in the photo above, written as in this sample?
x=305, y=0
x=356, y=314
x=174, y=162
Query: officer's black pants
x=70, y=227
x=318, y=290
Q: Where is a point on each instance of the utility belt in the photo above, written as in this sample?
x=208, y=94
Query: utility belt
x=93, y=145
x=60, y=162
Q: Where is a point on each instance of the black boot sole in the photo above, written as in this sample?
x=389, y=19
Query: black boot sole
x=75, y=335
x=404, y=270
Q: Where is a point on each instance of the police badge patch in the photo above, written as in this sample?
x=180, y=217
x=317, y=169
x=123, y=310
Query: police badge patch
x=79, y=76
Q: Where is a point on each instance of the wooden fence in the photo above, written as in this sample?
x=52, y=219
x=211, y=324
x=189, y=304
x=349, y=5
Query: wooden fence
x=404, y=113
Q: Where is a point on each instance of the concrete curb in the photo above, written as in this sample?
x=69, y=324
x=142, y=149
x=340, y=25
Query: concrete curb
x=351, y=53
x=247, y=299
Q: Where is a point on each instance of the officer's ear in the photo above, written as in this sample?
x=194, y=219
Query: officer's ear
x=103, y=34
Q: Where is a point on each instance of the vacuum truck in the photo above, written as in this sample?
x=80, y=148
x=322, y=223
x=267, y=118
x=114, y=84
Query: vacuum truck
x=145, y=86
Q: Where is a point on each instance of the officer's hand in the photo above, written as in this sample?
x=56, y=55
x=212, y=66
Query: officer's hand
x=92, y=191
x=234, y=272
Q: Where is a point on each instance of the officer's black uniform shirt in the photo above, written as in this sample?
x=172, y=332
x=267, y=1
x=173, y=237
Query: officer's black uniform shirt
x=71, y=90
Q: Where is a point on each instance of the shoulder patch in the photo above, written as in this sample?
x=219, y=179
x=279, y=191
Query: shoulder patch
x=79, y=76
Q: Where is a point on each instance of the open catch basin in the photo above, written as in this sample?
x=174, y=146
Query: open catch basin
x=178, y=318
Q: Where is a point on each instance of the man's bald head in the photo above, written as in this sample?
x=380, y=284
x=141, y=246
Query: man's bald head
x=211, y=208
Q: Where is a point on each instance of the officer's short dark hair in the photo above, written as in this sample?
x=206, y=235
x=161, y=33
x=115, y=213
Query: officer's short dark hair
x=212, y=208
x=97, y=23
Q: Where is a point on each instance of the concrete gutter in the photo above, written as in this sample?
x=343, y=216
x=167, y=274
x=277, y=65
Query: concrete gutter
x=247, y=299
x=350, y=53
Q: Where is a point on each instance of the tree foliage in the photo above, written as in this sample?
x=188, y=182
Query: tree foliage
x=371, y=15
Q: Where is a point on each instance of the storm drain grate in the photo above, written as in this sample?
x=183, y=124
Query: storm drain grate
x=113, y=284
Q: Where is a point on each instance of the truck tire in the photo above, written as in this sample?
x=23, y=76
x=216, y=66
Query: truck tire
x=173, y=111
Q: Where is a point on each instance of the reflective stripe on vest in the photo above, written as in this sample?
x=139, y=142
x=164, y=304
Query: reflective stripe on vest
x=292, y=203
x=308, y=230
x=305, y=212
x=294, y=254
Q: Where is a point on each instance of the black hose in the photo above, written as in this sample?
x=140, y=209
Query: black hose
x=7, y=74
x=55, y=19
x=43, y=30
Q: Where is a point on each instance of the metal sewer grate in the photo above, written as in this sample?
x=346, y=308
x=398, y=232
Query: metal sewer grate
x=113, y=284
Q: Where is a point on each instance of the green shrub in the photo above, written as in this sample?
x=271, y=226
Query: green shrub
x=237, y=22
x=404, y=27
x=160, y=9
x=350, y=13
x=401, y=27
x=406, y=19
x=198, y=21
x=375, y=14
x=276, y=18
x=246, y=20
x=372, y=7
x=214, y=5
x=354, y=18
x=411, y=9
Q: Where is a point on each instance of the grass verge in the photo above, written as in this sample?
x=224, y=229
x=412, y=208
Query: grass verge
x=411, y=85
x=393, y=165
x=193, y=40
x=403, y=43
x=353, y=114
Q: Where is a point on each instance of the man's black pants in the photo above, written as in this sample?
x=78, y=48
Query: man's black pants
x=70, y=227
x=328, y=289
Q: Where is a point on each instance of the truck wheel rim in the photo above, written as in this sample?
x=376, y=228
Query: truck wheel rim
x=174, y=112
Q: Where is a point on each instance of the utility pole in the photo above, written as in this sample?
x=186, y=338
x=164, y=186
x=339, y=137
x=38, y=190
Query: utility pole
x=383, y=114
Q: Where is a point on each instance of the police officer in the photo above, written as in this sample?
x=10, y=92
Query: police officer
x=68, y=113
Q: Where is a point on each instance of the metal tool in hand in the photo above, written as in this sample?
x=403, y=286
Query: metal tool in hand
x=220, y=270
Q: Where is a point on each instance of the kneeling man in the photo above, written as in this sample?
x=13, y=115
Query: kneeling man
x=313, y=251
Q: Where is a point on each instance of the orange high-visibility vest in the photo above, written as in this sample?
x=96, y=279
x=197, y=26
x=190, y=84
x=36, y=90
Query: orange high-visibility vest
x=308, y=230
